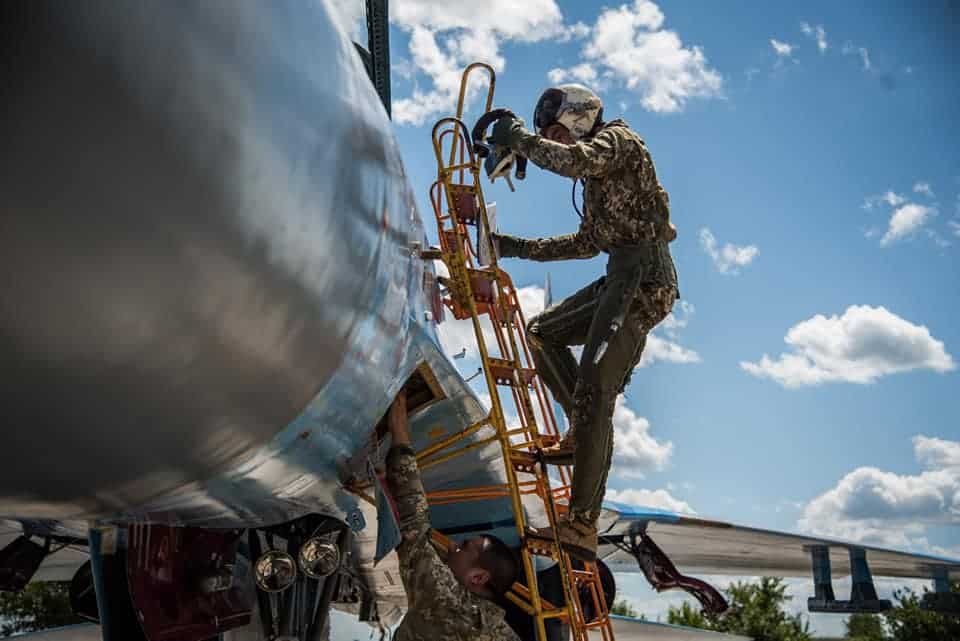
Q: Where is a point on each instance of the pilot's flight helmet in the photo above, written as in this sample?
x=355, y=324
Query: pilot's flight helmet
x=573, y=106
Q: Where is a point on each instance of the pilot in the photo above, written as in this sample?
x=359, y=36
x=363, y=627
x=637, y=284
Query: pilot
x=452, y=598
x=626, y=214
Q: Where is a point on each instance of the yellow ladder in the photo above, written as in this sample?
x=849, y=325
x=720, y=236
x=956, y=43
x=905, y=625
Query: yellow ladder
x=486, y=295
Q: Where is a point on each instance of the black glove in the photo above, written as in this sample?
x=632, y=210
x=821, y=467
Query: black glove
x=507, y=131
x=509, y=246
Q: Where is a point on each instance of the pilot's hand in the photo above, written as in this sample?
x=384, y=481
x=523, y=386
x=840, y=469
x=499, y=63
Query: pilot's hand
x=507, y=131
x=397, y=419
x=509, y=246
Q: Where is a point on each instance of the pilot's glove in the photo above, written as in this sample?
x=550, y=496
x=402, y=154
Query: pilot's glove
x=507, y=131
x=510, y=246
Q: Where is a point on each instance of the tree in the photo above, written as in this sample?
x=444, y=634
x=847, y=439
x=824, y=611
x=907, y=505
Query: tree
x=865, y=627
x=623, y=608
x=40, y=605
x=756, y=611
x=908, y=622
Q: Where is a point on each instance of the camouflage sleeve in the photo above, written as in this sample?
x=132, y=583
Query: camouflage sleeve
x=503, y=632
x=565, y=247
x=594, y=157
x=403, y=480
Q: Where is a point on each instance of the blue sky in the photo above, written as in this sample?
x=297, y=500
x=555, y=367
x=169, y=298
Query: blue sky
x=810, y=151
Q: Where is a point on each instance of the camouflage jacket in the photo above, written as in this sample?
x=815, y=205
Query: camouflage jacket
x=624, y=204
x=438, y=606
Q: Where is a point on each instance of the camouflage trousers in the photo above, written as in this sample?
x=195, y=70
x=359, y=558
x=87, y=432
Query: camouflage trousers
x=611, y=318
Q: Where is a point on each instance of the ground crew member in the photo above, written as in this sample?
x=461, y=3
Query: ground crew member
x=448, y=600
x=626, y=214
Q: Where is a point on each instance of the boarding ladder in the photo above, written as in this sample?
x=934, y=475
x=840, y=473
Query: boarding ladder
x=484, y=293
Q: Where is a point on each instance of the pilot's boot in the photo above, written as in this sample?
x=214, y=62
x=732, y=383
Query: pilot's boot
x=577, y=538
x=561, y=452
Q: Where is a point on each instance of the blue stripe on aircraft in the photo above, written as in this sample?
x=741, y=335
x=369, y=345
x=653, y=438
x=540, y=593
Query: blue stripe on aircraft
x=634, y=513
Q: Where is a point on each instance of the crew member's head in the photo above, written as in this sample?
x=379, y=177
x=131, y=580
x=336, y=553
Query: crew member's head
x=568, y=113
x=484, y=565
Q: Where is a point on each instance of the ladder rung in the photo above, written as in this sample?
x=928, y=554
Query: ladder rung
x=541, y=547
x=507, y=373
x=523, y=461
x=517, y=430
x=555, y=613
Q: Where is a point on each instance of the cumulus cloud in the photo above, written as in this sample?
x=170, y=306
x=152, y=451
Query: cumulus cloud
x=444, y=38
x=818, y=33
x=458, y=336
x=860, y=346
x=729, y=258
x=635, y=451
x=782, y=49
x=906, y=217
x=905, y=221
x=954, y=227
x=628, y=45
x=884, y=508
x=584, y=73
x=660, y=349
x=661, y=499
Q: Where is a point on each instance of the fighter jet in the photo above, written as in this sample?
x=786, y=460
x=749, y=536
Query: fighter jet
x=212, y=286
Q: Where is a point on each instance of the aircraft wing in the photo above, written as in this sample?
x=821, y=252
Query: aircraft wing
x=706, y=546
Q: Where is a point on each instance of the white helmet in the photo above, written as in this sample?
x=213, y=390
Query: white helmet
x=573, y=106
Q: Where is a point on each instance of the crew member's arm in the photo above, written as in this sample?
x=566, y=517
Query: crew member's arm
x=415, y=553
x=595, y=157
x=566, y=247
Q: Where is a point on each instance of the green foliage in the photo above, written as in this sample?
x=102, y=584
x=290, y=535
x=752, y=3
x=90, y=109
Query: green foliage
x=907, y=622
x=756, y=611
x=623, y=608
x=865, y=627
x=38, y=606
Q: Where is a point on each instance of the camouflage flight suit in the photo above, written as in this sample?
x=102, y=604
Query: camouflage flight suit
x=438, y=606
x=627, y=216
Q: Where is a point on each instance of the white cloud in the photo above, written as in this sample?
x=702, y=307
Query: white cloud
x=661, y=349
x=923, y=188
x=849, y=50
x=782, y=49
x=458, y=335
x=818, y=33
x=905, y=221
x=629, y=45
x=890, y=197
x=661, y=499
x=444, y=38
x=937, y=452
x=860, y=346
x=729, y=258
x=635, y=451
x=954, y=227
x=875, y=506
x=584, y=73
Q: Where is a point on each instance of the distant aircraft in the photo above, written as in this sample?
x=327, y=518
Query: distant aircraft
x=212, y=289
